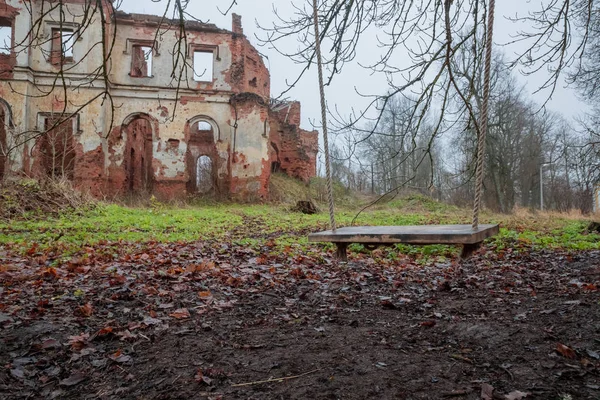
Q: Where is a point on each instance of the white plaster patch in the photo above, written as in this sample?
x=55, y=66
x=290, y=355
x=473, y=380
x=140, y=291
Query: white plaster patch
x=90, y=142
x=119, y=148
x=172, y=159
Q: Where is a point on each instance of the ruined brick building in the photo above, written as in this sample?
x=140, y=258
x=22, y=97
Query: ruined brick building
x=121, y=104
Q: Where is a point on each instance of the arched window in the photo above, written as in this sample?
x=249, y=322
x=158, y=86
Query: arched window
x=204, y=174
x=202, y=132
x=203, y=126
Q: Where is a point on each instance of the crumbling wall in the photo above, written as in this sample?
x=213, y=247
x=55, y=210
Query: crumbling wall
x=146, y=140
x=293, y=150
x=8, y=14
x=250, y=152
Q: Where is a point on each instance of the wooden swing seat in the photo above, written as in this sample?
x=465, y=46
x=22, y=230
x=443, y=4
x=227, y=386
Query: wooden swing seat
x=374, y=236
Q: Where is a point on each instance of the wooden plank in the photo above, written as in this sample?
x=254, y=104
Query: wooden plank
x=410, y=234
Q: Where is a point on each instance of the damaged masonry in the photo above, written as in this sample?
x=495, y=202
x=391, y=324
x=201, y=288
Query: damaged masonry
x=217, y=131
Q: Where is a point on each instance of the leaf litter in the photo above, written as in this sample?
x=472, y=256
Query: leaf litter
x=137, y=320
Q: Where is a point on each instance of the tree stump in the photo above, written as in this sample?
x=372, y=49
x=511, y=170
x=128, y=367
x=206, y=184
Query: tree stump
x=306, y=207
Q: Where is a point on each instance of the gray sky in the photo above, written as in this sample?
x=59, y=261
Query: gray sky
x=343, y=92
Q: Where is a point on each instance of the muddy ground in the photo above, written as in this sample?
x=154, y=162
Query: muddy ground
x=212, y=321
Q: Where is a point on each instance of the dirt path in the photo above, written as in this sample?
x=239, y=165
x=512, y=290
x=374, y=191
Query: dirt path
x=175, y=321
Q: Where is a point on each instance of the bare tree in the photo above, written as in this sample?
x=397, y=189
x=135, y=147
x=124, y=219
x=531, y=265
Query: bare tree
x=435, y=36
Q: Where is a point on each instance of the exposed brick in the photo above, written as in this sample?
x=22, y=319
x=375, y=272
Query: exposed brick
x=153, y=147
x=293, y=150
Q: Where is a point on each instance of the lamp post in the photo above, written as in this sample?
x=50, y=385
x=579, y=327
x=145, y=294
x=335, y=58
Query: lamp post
x=542, y=165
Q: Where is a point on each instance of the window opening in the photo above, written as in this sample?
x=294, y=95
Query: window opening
x=5, y=37
x=63, y=41
x=202, y=133
x=203, y=66
x=67, y=42
x=57, y=148
x=204, y=174
x=141, y=63
x=204, y=126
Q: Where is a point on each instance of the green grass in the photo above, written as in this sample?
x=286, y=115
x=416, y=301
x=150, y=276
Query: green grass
x=251, y=225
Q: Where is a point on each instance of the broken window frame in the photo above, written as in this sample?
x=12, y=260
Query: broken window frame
x=6, y=42
x=207, y=74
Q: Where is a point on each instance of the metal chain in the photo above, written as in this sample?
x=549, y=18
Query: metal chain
x=324, y=116
x=483, y=123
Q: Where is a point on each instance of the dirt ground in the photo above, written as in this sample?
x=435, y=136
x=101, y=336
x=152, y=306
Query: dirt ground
x=213, y=321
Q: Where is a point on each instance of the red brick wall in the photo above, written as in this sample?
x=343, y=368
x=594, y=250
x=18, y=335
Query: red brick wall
x=294, y=149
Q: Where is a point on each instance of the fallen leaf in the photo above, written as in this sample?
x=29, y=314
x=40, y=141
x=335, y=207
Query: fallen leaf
x=205, y=294
x=487, y=392
x=78, y=342
x=85, y=310
x=200, y=377
x=593, y=354
x=105, y=331
x=516, y=395
x=119, y=357
x=17, y=373
x=181, y=313
x=50, y=344
x=565, y=351
x=428, y=324
x=73, y=380
x=151, y=321
x=126, y=335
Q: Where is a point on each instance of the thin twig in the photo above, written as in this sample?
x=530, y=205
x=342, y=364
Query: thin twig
x=459, y=357
x=287, y=378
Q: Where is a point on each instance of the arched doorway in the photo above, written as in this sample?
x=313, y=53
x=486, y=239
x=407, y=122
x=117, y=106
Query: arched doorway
x=138, y=154
x=201, y=155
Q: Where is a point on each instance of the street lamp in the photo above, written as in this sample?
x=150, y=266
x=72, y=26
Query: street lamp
x=542, y=165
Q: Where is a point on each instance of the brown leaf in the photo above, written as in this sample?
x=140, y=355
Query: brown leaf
x=50, y=344
x=126, y=335
x=181, y=313
x=119, y=357
x=565, y=351
x=487, y=392
x=428, y=324
x=205, y=295
x=105, y=331
x=85, y=310
x=73, y=380
x=78, y=342
x=516, y=395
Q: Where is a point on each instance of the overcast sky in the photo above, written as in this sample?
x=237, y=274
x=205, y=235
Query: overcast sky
x=342, y=93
